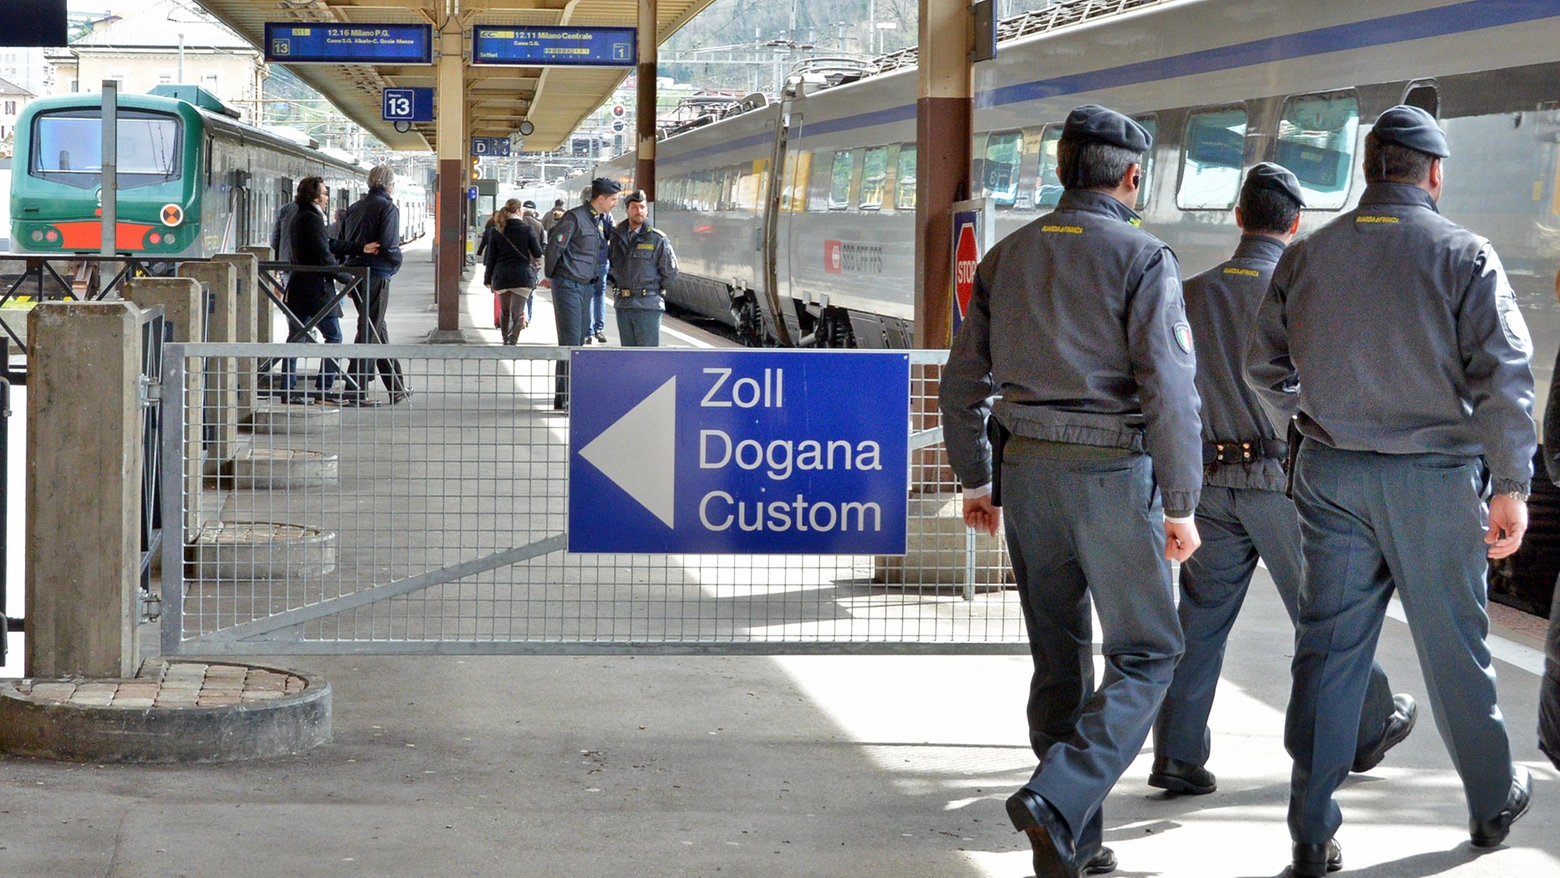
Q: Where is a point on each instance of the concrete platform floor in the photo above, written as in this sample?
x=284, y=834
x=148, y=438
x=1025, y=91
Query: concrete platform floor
x=727, y=767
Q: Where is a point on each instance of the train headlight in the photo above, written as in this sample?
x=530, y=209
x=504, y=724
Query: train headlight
x=52, y=235
x=154, y=238
x=37, y=235
x=168, y=238
x=172, y=215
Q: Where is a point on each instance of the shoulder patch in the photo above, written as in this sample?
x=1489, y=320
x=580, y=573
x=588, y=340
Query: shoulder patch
x=1243, y=272
x=1183, y=337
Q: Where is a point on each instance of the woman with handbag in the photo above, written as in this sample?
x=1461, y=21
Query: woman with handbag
x=509, y=270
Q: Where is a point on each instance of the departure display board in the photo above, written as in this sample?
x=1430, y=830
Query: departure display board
x=348, y=43
x=554, y=46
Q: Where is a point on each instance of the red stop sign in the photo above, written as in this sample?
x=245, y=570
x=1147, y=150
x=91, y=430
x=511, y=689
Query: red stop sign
x=965, y=259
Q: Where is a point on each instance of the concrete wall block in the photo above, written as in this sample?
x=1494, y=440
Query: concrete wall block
x=220, y=281
x=262, y=301
x=83, y=489
x=184, y=304
x=247, y=287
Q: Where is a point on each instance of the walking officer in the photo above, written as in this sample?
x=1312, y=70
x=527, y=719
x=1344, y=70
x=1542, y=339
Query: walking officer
x=1077, y=324
x=1243, y=513
x=1415, y=401
x=574, y=246
x=641, y=265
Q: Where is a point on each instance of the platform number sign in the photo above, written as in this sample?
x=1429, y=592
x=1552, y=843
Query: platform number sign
x=407, y=105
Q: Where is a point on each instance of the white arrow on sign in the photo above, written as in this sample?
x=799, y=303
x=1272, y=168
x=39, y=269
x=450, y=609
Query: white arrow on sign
x=639, y=452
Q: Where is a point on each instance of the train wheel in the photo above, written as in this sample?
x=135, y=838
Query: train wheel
x=750, y=323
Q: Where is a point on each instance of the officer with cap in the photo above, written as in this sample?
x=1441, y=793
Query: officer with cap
x=1077, y=324
x=642, y=264
x=1243, y=513
x=1397, y=336
x=573, y=257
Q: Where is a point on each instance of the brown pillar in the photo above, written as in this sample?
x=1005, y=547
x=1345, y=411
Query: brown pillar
x=644, y=108
x=944, y=112
x=452, y=180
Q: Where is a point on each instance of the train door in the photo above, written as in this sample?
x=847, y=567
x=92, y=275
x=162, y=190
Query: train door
x=779, y=208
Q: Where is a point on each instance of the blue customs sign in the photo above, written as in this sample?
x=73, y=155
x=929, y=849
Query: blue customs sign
x=738, y=452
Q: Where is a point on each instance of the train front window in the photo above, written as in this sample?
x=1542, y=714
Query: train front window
x=1316, y=138
x=1211, y=165
x=67, y=147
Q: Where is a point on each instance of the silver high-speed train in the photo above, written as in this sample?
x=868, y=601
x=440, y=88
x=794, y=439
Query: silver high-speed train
x=821, y=253
x=794, y=220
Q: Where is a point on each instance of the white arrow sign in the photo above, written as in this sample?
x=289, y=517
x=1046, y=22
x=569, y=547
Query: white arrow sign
x=639, y=452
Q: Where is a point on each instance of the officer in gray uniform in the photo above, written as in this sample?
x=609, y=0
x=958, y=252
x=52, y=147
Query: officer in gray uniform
x=1415, y=402
x=641, y=264
x=572, y=263
x=1243, y=513
x=1077, y=328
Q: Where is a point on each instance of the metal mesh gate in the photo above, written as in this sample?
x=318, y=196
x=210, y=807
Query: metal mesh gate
x=436, y=525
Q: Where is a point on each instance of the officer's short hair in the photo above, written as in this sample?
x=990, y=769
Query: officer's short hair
x=1267, y=210
x=1388, y=162
x=1091, y=164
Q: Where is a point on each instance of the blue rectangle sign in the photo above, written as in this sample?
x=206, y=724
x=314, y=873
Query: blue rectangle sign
x=554, y=46
x=738, y=452
x=408, y=105
x=291, y=43
x=494, y=147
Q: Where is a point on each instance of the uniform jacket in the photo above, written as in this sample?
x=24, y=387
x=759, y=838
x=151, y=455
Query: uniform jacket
x=1403, y=335
x=1078, y=327
x=1221, y=305
x=309, y=291
x=374, y=217
x=574, y=246
x=642, y=264
x=508, y=262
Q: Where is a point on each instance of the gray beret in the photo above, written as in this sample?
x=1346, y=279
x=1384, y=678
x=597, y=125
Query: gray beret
x=604, y=186
x=1092, y=122
x=1411, y=127
x=1267, y=175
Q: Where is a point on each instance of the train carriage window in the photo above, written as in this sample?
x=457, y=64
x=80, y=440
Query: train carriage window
x=1316, y=138
x=999, y=172
x=839, y=179
x=1426, y=95
x=1151, y=125
x=1212, y=161
x=1048, y=187
x=904, y=194
x=69, y=148
x=874, y=177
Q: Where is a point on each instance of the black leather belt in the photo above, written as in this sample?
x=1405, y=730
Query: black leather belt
x=625, y=294
x=1244, y=452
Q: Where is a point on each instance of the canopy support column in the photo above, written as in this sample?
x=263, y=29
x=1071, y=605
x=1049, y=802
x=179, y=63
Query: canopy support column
x=451, y=101
x=944, y=113
x=644, y=110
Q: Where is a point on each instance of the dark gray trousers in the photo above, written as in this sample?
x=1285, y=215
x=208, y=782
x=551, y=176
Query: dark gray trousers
x=1237, y=527
x=1079, y=530
x=639, y=327
x=1374, y=524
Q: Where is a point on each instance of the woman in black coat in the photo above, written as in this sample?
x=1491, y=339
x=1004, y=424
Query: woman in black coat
x=309, y=292
x=510, y=273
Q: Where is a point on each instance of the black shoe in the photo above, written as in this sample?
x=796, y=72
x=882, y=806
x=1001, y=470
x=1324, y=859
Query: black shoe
x=1399, y=724
x=1103, y=862
x=1181, y=778
x=1316, y=860
x=1049, y=837
x=400, y=396
x=1489, y=833
x=601, y=338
